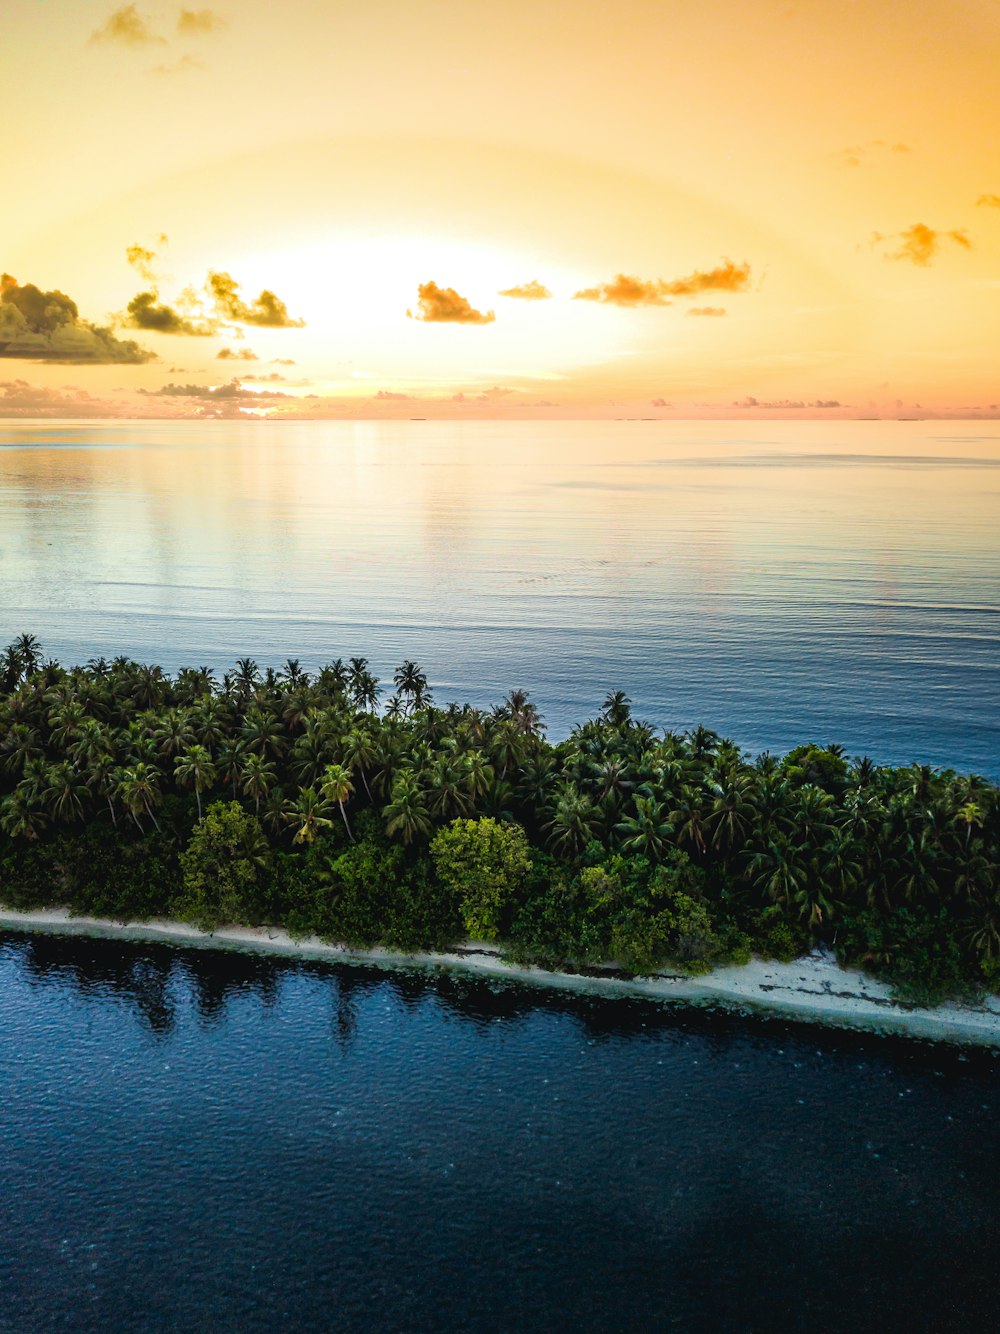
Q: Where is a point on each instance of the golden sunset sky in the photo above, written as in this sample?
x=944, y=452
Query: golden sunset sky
x=445, y=208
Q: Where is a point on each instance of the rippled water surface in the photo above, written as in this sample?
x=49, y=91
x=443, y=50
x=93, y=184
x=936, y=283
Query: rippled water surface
x=779, y=581
x=192, y=1140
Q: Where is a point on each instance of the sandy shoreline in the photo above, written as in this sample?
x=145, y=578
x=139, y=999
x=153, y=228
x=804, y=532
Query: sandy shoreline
x=813, y=988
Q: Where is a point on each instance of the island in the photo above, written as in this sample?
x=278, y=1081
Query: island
x=308, y=811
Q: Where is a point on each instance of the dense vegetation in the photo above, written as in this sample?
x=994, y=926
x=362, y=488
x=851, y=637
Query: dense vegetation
x=280, y=798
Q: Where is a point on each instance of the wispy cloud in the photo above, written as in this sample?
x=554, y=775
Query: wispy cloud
x=127, y=27
x=46, y=326
x=988, y=201
x=443, y=305
x=708, y=311
x=185, y=65
x=624, y=290
x=533, y=291
x=199, y=22
x=236, y=354
x=234, y=390
x=874, y=150
x=919, y=244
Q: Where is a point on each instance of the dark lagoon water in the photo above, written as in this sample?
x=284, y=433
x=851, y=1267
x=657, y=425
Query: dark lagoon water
x=778, y=581
x=198, y=1140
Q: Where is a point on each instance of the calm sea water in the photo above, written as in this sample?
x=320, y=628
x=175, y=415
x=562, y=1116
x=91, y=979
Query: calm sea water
x=780, y=582
x=205, y=1141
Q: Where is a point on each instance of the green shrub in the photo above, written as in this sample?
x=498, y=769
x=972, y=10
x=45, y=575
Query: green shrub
x=484, y=864
x=224, y=866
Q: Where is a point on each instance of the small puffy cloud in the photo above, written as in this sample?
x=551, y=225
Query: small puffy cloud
x=708, y=311
x=236, y=354
x=919, y=244
x=266, y=310
x=389, y=395
x=145, y=312
x=199, y=22
x=659, y=403
x=283, y=361
x=443, y=305
x=627, y=291
x=533, y=291
x=46, y=326
x=870, y=152
x=127, y=27
x=988, y=201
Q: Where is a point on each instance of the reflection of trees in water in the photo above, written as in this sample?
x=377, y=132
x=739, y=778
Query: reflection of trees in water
x=155, y=983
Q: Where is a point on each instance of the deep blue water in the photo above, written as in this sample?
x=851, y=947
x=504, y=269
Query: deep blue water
x=192, y=1140
x=778, y=581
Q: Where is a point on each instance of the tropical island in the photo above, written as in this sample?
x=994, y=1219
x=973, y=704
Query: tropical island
x=284, y=799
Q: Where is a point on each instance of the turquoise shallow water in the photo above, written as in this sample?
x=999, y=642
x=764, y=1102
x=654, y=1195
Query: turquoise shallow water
x=779, y=581
x=192, y=1140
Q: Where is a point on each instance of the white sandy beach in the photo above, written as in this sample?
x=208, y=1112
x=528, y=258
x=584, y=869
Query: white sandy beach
x=813, y=988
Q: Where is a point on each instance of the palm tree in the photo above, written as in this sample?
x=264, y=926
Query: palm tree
x=969, y=814
x=406, y=813
x=359, y=753
x=617, y=709
x=574, y=821
x=258, y=777
x=688, y=818
x=410, y=681
x=648, y=831
x=196, y=769
x=65, y=792
x=307, y=814
x=337, y=786
x=138, y=787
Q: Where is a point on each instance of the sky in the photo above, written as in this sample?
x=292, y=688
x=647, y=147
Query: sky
x=523, y=208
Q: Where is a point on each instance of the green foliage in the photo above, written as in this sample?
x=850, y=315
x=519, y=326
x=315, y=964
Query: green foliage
x=919, y=953
x=483, y=864
x=224, y=868
x=653, y=849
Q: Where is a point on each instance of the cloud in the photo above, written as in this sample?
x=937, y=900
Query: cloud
x=144, y=313
x=128, y=27
x=443, y=305
x=20, y=399
x=185, y=65
x=919, y=244
x=236, y=354
x=233, y=391
x=859, y=153
x=266, y=310
x=659, y=403
x=141, y=260
x=707, y=310
x=988, y=201
x=283, y=361
x=46, y=326
x=787, y=403
x=627, y=291
x=533, y=291
x=199, y=22
x=388, y=394
x=484, y=396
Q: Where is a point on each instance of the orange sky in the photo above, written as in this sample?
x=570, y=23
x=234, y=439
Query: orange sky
x=661, y=208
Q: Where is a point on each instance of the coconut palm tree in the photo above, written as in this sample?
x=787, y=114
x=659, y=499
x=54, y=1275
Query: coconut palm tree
x=195, y=768
x=574, y=821
x=307, y=815
x=406, y=813
x=648, y=831
x=337, y=786
x=257, y=778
